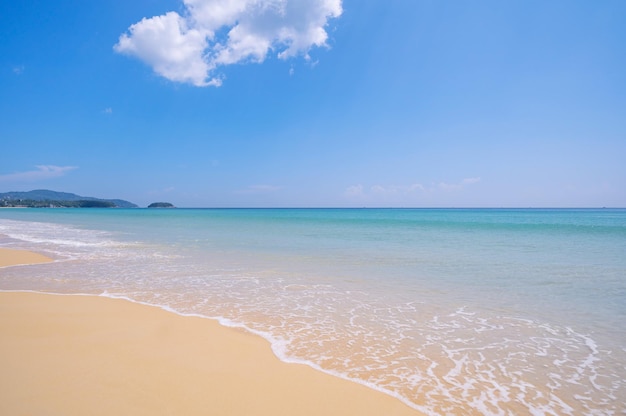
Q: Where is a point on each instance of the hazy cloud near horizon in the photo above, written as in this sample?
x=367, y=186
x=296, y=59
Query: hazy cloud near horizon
x=42, y=172
x=358, y=191
x=405, y=194
x=189, y=48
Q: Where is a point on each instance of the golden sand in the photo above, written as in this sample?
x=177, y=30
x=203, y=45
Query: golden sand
x=12, y=257
x=87, y=355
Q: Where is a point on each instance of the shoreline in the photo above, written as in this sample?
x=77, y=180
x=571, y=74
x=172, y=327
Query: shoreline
x=74, y=355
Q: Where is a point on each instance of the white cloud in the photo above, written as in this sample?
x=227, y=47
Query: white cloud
x=172, y=48
x=212, y=33
x=19, y=69
x=108, y=110
x=42, y=172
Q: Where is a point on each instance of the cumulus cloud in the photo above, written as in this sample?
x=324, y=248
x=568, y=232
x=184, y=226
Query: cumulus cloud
x=40, y=173
x=209, y=34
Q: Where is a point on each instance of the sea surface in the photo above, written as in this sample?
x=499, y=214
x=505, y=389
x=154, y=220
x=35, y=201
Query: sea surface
x=466, y=311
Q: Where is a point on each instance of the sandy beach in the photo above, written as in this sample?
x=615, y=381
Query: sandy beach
x=12, y=257
x=77, y=355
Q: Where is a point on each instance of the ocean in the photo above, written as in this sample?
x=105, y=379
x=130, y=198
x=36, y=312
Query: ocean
x=464, y=311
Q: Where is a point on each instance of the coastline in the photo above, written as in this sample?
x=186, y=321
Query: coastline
x=74, y=355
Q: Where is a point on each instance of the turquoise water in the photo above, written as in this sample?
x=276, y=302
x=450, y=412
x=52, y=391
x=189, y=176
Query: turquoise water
x=479, y=311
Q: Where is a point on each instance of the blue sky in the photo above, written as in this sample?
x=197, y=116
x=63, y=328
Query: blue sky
x=256, y=103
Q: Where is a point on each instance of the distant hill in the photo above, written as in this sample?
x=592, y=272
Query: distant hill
x=44, y=197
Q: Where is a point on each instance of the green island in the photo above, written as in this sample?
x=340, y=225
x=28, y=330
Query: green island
x=161, y=205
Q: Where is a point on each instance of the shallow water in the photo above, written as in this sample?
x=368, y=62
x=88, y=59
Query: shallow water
x=469, y=311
